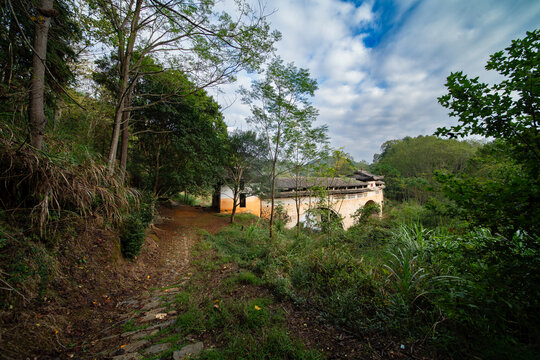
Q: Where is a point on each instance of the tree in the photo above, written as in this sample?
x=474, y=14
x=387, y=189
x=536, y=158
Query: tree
x=209, y=47
x=305, y=145
x=36, y=111
x=243, y=154
x=178, y=143
x=277, y=102
x=408, y=164
x=37, y=42
x=509, y=112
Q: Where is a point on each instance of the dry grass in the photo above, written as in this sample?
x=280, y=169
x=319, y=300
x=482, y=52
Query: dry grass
x=47, y=189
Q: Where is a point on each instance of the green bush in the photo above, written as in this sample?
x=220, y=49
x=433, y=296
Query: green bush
x=132, y=235
x=339, y=283
x=147, y=207
x=133, y=227
x=498, y=301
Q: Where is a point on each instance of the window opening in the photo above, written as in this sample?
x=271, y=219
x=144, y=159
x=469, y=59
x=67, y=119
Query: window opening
x=242, y=200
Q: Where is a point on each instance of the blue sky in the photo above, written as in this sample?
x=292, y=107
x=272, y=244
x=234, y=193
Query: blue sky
x=382, y=64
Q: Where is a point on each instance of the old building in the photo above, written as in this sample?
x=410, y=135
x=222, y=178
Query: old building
x=339, y=196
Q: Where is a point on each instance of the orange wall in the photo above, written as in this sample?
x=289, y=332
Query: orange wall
x=253, y=206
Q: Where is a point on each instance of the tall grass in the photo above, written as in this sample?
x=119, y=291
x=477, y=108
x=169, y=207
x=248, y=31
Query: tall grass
x=458, y=293
x=47, y=188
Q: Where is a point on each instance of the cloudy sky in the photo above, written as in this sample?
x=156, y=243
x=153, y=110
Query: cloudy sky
x=381, y=65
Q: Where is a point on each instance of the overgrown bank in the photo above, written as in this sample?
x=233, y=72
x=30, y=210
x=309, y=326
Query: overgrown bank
x=452, y=294
x=67, y=230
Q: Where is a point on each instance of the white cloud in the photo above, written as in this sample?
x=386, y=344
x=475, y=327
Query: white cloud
x=368, y=96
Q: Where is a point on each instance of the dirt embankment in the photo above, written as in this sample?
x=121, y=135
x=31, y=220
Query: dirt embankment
x=91, y=278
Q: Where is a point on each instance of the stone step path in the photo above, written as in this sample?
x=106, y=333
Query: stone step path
x=149, y=316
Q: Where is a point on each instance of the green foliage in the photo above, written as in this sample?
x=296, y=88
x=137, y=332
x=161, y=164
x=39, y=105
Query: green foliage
x=27, y=266
x=506, y=110
x=180, y=140
x=245, y=277
x=250, y=327
x=186, y=199
x=408, y=164
x=280, y=218
x=463, y=292
x=280, y=110
x=133, y=228
x=496, y=301
x=243, y=164
x=16, y=27
x=363, y=214
x=503, y=196
x=44, y=189
x=132, y=234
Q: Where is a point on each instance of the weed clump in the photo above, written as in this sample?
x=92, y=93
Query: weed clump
x=50, y=189
x=133, y=229
x=132, y=236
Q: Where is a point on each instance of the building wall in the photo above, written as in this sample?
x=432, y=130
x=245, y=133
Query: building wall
x=253, y=203
x=345, y=205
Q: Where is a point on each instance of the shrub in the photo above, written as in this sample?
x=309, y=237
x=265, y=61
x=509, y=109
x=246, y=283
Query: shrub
x=497, y=303
x=147, y=207
x=132, y=235
x=339, y=283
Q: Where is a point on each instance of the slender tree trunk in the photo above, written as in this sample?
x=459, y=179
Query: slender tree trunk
x=239, y=173
x=156, y=176
x=274, y=163
x=125, y=88
x=235, y=201
x=36, y=111
x=297, y=203
x=273, y=194
x=125, y=139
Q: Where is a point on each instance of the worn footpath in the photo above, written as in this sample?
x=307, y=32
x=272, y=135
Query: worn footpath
x=145, y=325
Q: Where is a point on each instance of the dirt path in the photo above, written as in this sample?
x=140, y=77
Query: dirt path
x=177, y=229
x=164, y=263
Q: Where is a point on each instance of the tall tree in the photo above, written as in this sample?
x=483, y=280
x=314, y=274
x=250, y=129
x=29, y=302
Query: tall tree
x=306, y=145
x=277, y=101
x=37, y=43
x=36, y=112
x=210, y=47
x=509, y=112
x=178, y=143
x=242, y=164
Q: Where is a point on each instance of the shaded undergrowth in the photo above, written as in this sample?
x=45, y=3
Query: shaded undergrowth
x=462, y=295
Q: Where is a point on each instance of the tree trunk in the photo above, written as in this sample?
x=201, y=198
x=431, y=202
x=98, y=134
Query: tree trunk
x=36, y=111
x=125, y=139
x=156, y=177
x=235, y=200
x=297, y=203
x=238, y=175
x=272, y=203
x=125, y=89
x=274, y=163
